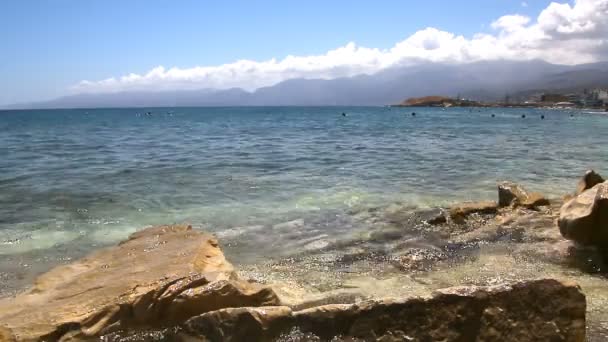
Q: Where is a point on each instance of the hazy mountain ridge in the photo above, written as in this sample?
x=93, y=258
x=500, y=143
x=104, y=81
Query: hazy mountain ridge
x=485, y=81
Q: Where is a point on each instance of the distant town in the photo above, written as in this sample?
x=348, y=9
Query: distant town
x=588, y=98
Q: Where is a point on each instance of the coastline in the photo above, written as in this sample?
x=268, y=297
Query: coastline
x=321, y=208
x=413, y=252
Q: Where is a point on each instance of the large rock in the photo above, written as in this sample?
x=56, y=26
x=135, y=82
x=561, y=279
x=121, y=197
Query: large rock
x=240, y=324
x=511, y=194
x=584, y=218
x=459, y=212
x=588, y=181
x=539, y=310
x=159, y=276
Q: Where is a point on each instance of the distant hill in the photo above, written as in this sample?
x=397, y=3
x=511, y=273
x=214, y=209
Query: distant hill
x=482, y=81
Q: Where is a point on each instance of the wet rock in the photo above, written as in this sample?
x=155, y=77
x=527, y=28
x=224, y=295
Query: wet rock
x=316, y=245
x=511, y=194
x=535, y=200
x=459, y=212
x=588, y=181
x=508, y=193
x=418, y=259
x=241, y=324
x=538, y=310
x=161, y=275
x=584, y=219
x=432, y=216
x=386, y=234
x=517, y=226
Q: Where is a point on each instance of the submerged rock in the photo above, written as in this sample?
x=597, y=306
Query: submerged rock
x=538, y=310
x=159, y=276
x=588, y=181
x=459, y=212
x=584, y=218
x=513, y=195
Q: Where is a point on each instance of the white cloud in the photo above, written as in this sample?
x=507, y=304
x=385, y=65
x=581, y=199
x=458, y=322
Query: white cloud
x=510, y=23
x=562, y=33
x=524, y=4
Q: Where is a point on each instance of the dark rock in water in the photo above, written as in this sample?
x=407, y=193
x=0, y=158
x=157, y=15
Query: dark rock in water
x=159, y=276
x=386, y=234
x=538, y=310
x=432, y=216
x=511, y=194
x=588, y=181
x=459, y=212
x=584, y=218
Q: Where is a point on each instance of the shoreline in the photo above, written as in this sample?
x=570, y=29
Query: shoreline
x=415, y=252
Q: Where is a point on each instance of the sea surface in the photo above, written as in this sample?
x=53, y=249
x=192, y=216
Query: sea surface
x=75, y=180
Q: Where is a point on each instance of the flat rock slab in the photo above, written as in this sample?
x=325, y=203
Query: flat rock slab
x=159, y=276
x=538, y=310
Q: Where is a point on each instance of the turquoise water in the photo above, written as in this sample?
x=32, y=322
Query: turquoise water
x=73, y=180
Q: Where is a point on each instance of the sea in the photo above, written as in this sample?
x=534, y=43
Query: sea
x=73, y=180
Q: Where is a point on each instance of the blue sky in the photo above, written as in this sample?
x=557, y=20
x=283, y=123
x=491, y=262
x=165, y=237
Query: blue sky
x=50, y=46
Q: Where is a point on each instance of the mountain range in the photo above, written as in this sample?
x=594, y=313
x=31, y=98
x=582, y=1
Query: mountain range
x=481, y=81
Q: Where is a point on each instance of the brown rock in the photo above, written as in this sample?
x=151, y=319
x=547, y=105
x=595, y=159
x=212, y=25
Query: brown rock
x=535, y=200
x=538, y=310
x=588, y=181
x=162, y=275
x=458, y=213
x=241, y=324
x=504, y=313
x=6, y=335
x=511, y=194
x=584, y=218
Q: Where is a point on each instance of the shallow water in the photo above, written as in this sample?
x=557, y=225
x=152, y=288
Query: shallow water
x=287, y=190
x=73, y=180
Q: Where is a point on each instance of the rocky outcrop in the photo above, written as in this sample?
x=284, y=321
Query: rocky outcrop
x=584, y=218
x=539, y=310
x=437, y=101
x=513, y=195
x=459, y=212
x=588, y=181
x=159, y=276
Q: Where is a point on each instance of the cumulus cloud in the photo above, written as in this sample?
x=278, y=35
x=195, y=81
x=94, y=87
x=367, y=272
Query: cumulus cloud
x=510, y=23
x=563, y=33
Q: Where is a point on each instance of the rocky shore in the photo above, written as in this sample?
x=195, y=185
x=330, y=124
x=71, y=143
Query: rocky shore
x=521, y=268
